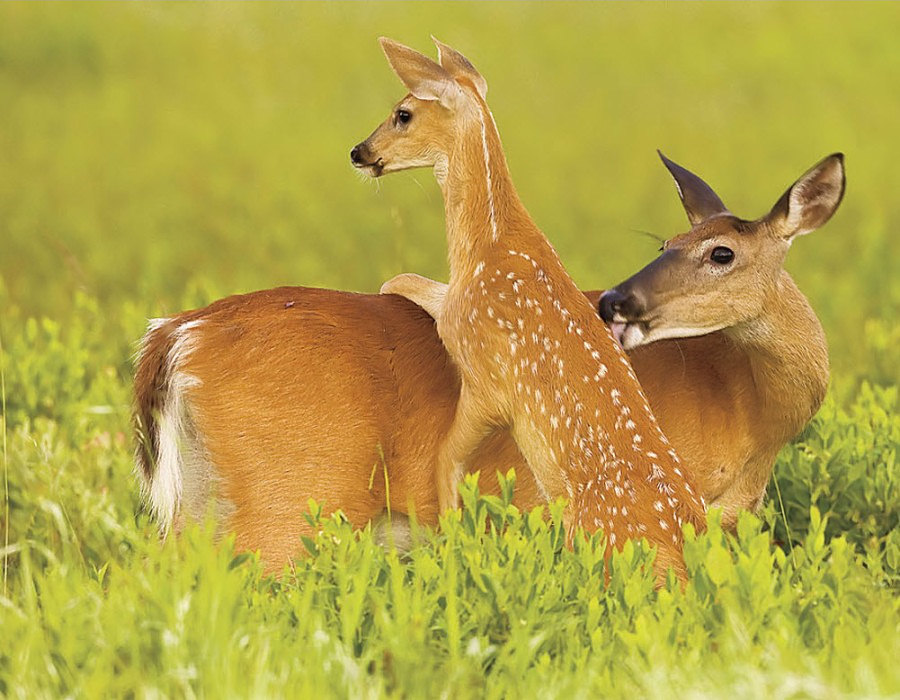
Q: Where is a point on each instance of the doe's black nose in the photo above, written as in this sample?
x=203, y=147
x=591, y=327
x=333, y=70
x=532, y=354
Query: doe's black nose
x=355, y=154
x=610, y=303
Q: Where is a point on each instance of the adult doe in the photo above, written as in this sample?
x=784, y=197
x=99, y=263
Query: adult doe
x=759, y=371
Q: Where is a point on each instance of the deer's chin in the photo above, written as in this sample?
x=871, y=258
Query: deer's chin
x=633, y=335
x=375, y=169
x=628, y=335
x=650, y=334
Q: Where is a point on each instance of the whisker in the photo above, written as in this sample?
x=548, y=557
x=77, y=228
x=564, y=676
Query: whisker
x=422, y=187
x=649, y=234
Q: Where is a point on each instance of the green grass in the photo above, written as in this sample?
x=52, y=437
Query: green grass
x=156, y=157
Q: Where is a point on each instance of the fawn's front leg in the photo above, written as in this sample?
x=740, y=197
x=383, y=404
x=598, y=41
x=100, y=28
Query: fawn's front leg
x=471, y=426
x=420, y=290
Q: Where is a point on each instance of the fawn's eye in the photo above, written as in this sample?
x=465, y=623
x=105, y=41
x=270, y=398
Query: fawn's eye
x=403, y=117
x=721, y=255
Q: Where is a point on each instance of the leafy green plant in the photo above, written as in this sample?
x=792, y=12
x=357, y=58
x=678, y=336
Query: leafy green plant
x=845, y=466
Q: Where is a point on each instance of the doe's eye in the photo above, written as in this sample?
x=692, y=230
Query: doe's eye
x=403, y=116
x=721, y=255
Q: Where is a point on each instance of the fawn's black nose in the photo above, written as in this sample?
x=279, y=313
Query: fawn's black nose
x=609, y=304
x=355, y=155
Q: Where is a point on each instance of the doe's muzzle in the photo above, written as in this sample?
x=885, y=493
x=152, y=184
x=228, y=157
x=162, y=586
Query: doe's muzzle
x=616, y=305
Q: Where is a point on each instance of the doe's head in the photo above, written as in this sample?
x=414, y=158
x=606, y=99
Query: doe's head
x=719, y=273
x=423, y=127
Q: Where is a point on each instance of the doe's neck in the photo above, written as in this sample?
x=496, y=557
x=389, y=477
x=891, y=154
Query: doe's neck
x=788, y=356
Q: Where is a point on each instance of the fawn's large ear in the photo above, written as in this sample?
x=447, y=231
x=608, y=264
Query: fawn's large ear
x=810, y=201
x=423, y=77
x=459, y=66
x=698, y=198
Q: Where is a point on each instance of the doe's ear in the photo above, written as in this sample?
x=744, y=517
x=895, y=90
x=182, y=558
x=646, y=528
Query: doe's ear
x=423, y=77
x=699, y=201
x=810, y=201
x=459, y=66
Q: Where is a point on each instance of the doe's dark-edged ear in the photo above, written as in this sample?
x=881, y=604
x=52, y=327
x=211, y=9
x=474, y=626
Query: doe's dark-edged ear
x=423, y=77
x=459, y=66
x=811, y=201
x=699, y=201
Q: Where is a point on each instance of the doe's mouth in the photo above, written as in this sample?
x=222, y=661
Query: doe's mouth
x=629, y=334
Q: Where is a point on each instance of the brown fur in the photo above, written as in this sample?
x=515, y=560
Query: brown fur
x=699, y=389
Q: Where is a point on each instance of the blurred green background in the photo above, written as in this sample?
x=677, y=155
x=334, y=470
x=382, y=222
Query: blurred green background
x=155, y=156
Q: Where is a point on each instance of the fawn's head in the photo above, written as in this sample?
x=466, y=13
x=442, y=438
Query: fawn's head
x=444, y=99
x=718, y=274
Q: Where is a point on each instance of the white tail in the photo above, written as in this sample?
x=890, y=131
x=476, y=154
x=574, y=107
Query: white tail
x=532, y=354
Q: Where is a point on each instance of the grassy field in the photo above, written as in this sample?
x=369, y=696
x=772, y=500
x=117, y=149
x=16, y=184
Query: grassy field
x=156, y=157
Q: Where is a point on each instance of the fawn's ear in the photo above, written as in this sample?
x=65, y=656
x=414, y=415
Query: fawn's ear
x=459, y=66
x=698, y=199
x=810, y=201
x=424, y=78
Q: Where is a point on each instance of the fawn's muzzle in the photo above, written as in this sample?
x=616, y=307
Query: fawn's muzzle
x=362, y=157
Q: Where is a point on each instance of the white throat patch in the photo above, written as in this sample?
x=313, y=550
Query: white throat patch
x=490, y=186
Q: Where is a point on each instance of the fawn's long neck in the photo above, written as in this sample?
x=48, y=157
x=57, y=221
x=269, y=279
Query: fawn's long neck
x=788, y=357
x=482, y=206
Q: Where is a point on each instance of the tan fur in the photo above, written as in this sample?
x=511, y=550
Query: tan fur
x=531, y=353
x=697, y=388
x=312, y=394
x=755, y=384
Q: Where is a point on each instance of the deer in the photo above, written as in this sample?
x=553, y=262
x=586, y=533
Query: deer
x=531, y=353
x=751, y=351
x=249, y=407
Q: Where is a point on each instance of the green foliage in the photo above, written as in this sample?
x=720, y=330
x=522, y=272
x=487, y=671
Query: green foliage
x=493, y=605
x=153, y=158
x=845, y=466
